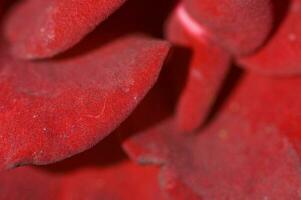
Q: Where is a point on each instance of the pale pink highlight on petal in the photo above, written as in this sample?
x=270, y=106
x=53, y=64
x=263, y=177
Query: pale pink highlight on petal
x=189, y=23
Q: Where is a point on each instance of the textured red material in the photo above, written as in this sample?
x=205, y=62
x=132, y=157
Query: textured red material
x=207, y=68
x=241, y=26
x=64, y=91
x=94, y=174
x=282, y=54
x=53, y=109
x=246, y=153
x=39, y=29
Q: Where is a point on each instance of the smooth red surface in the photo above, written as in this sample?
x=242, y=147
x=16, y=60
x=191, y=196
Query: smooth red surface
x=39, y=29
x=53, y=109
x=241, y=26
x=281, y=55
x=247, y=152
x=207, y=68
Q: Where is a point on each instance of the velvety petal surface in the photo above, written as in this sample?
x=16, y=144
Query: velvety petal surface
x=208, y=66
x=281, y=55
x=250, y=151
x=56, y=108
x=39, y=29
x=94, y=174
x=241, y=26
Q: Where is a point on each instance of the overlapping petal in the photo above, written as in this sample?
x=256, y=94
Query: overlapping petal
x=39, y=29
x=208, y=66
x=93, y=175
x=281, y=55
x=244, y=140
x=247, y=152
x=241, y=26
x=55, y=108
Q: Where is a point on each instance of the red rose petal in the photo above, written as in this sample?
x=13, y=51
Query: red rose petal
x=53, y=109
x=39, y=29
x=281, y=55
x=174, y=188
x=207, y=68
x=91, y=175
x=241, y=26
x=249, y=152
x=125, y=181
x=27, y=183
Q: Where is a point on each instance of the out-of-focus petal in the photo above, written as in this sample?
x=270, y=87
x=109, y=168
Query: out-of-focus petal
x=282, y=54
x=91, y=175
x=207, y=69
x=39, y=29
x=247, y=153
x=241, y=26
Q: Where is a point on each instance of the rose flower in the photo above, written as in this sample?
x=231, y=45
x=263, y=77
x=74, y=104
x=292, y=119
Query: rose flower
x=150, y=99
